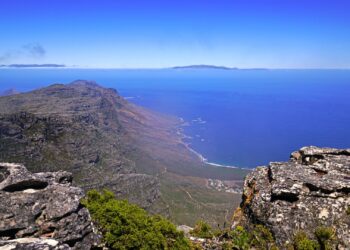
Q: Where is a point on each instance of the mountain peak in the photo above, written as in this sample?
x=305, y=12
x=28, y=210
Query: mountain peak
x=87, y=83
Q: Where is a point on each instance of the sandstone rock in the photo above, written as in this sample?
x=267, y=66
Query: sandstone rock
x=311, y=190
x=186, y=229
x=42, y=211
x=32, y=244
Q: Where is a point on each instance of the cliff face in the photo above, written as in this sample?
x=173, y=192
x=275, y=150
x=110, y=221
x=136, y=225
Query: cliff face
x=42, y=211
x=80, y=127
x=309, y=191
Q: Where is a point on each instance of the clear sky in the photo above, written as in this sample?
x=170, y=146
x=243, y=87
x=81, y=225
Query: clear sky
x=150, y=33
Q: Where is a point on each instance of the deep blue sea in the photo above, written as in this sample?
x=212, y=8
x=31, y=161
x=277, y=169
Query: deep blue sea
x=241, y=118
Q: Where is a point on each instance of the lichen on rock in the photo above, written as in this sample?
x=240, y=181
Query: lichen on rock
x=42, y=211
x=309, y=191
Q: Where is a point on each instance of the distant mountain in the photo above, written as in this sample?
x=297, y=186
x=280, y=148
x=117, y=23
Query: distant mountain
x=9, y=92
x=48, y=65
x=204, y=66
x=108, y=142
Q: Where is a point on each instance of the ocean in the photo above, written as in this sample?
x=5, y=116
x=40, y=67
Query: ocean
x=243, y=118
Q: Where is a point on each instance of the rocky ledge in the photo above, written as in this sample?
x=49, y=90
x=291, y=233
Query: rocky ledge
x=42, y=211
x=309, y=191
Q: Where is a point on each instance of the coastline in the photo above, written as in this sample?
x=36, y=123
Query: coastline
x=180, y=131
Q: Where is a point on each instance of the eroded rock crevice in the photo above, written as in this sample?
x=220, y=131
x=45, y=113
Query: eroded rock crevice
x=289, y=197
x=26, y=184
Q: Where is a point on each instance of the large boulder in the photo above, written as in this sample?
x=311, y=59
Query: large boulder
x=42, y=211
x=311, y=190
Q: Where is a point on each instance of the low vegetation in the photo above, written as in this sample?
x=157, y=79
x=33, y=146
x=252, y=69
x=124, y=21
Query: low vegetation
x=202, y=230
x=126, y=226
x=324, y=235
x=303, y=242
x=239, y=238
x=260, y=238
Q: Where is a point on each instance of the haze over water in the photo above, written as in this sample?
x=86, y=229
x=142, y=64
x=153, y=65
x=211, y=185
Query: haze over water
x=240, y=118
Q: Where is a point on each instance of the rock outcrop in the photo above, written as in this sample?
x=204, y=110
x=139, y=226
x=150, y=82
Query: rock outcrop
x=309, y=191
x=42, y=211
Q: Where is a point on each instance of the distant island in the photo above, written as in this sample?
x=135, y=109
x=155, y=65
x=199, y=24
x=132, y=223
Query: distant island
x=48, y=65
x=205, y=66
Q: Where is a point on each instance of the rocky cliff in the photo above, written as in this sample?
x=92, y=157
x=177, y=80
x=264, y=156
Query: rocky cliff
x=80, y=127
x=42, y=211
x=309, y=191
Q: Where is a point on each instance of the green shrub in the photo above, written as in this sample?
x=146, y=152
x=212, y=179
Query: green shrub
x=126, y=226
x=202, y=230
x=302, y=242
x=324, y=235
x=261, y=238
x=258, y=237
x=240, y=238
x=227, y=245
x=307, y=244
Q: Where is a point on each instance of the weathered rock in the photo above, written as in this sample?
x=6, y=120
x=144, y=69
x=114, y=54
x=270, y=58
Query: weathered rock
x=185, y=229
x=311, y=190
x=32, y=244
x=42, y=211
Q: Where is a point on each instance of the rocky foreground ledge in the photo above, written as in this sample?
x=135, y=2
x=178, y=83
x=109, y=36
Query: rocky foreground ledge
x=311, y=190
x=42, y=211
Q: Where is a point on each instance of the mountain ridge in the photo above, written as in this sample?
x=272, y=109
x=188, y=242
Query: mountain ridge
x=106, y=141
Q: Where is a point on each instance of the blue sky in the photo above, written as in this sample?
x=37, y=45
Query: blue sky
x=151, y=34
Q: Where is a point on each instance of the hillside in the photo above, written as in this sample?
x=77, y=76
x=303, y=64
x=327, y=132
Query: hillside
x=106, y=141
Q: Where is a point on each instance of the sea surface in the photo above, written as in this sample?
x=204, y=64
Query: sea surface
x=239, y=118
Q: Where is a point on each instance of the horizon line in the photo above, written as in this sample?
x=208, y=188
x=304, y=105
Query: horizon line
x=183, y=67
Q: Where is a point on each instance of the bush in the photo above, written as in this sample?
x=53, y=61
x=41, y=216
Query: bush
x=261, y=238
x=240, y=238
x=202, y=230
x=126, y=226
x=258, y=238
x=302, y=242
x=324, y=235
